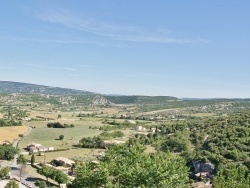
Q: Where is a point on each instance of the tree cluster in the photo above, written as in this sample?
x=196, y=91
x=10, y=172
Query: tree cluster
x=125, y=166
x=54, y=174
x=7, y=152
x=94, y=142
x=8, y=123
x=4, y=172
x=59, y=125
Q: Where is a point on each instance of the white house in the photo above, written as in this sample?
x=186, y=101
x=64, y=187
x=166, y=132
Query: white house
x=140, y=128
x=35, y=148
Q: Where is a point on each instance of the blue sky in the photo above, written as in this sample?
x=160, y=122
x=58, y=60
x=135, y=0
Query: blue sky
x=137, y=47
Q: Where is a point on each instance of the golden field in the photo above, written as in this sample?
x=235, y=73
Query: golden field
x=11, y=133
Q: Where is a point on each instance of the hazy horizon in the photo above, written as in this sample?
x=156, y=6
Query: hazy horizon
x=157, y=48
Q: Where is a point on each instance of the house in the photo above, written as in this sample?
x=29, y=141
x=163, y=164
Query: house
x=33, y=145
x=26, y=119
x=42, y=148
x=63, y=161
x=51, y=148
x=33, y=149
x=114, y=142
x=140, y=128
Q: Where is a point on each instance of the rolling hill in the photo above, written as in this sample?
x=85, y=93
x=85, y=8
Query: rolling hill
x=25, y=88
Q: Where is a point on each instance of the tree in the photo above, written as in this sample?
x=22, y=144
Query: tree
x=4, y=172
x=61, y=137
x=7, y=152
x=21, y=160
x=56, y=175
x=11, y=184
x=60, y=177
x=45, y=171
x=131, y=167
x=40, y=184
x=32, y=160
x=231, y=177
x=59, y=116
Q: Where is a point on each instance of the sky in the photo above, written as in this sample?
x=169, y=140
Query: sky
x=135, y=47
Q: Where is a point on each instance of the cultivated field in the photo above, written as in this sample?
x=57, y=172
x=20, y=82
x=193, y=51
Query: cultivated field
x=11, y=133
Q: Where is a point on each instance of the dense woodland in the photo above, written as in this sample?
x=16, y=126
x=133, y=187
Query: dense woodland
x=222, y=141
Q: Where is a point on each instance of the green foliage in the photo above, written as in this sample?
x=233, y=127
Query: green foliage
x=179, y=142
x=217, y=140
x=12, y=184
x=40, y=184
x=139, y=99
x=132, y=167
x=232, y=177
x=61, y=137
x=46, y=171
x=32, y=160
x=59, y=125
x=94, y=142
x=54, y=174
x=4, y=172
x=108, y=135
x=114, y=125
x=21, y=160
x=7, y=152
x=7, y=123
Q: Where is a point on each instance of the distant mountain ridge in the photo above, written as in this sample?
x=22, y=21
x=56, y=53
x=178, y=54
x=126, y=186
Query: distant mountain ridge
x=18, y=87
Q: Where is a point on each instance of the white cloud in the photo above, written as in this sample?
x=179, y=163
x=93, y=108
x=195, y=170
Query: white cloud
x=112, y=31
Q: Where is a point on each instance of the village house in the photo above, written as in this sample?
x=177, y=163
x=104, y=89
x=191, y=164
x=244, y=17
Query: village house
x=33, y=149
x=38, y=148
x=140, y=128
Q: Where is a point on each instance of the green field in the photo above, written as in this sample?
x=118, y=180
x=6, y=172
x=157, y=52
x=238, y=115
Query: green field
x=49, y=136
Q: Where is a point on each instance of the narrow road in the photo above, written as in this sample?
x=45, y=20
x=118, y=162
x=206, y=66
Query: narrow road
x=26, y=179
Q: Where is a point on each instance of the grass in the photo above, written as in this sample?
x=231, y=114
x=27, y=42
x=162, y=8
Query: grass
x=203, y=114
x=77, y=153
x=11, y=133
x=49, y=136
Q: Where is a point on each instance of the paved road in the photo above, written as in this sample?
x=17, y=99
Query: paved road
x=26, y=179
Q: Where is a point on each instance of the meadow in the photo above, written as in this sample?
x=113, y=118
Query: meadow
x=50, y=136
x=76, y=154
